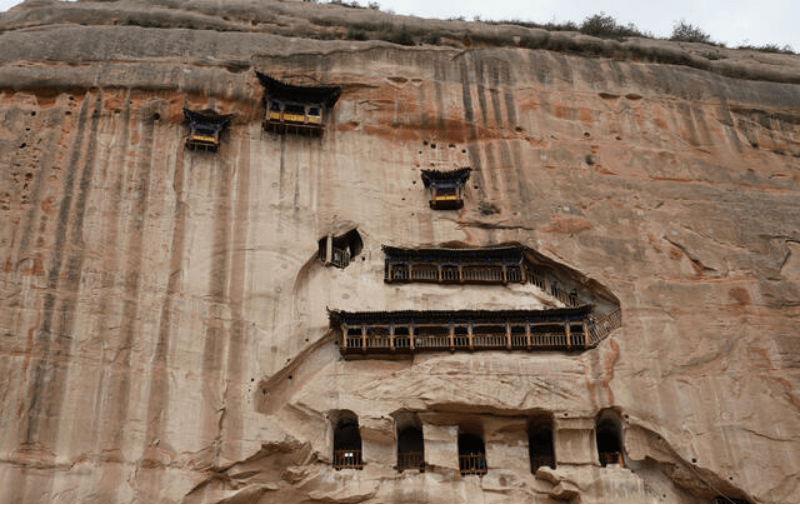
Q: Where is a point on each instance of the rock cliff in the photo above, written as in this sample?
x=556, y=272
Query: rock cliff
x=164, y=315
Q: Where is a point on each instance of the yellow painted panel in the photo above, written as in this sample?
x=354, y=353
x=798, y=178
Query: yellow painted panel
x=274, y=115
x=203, y=139
x=293, y=117
x=313, y=119
x=446, y=198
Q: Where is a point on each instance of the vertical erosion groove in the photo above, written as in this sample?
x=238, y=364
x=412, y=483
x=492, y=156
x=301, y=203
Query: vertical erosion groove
x=214, y=347
x=36, y=422
x=117, y=413
x=233, y=428
x=158, y=393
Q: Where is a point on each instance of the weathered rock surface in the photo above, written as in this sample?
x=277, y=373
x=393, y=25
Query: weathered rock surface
x=163, y=325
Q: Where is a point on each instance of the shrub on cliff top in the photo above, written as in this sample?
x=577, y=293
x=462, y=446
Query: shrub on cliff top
x=604, y=26
x=685, y=32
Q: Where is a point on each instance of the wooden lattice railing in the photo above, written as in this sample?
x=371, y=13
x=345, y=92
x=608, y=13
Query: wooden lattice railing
x=605, y=325
x=410, y=461
x=513, y=337
x=347, y=458
x=472, y=464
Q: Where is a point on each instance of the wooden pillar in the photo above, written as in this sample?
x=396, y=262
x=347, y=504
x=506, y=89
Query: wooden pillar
x=523, y=273
x=328, y=249
x=411, y=337
x=528, y=335
x=452, y=338
x=344, y=337
x=585, y=334
x=508, y=329
x=391, y=337
x=364, y=338
x=389, y=272
x=566, y=327
x=460, y=274
x=469, y=335
x=505, y=275
x=439, y=268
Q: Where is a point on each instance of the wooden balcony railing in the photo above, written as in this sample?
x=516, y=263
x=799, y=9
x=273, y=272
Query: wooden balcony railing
x=410, y=461
x=430, y=338
x=472, y=464
x=453, y=274
x=605, y=325
x=347, y=458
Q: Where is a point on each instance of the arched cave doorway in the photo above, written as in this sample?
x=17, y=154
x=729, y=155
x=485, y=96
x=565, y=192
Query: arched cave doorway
x=471, y=454
x=608, y=430
x=410, y=444
x=338, y=251
x=540, y=443
x=346, y=441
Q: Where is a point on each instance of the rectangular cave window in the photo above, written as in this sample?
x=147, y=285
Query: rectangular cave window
x=432, y=337
x=314, y=111
x=353, y=336
x=410, y=448
x=513, y=273
x=540, y=443
x=400, y=271
x=471, y=455
x=450, y=273
x=347, y=442
x=274, y=106
x=489, y=336
x=402, y=339
x=460, y=336
x=608, y=432
x=378, y=337
x=576, y=334
x=425, y=273
x=483, y=274
x=295, y=109
x=518, y=337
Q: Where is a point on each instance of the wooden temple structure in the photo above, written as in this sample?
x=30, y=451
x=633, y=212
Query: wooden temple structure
x=485, y=265
x=447, y=187
x=296, y=109
x=400, y=334
x=205, y=129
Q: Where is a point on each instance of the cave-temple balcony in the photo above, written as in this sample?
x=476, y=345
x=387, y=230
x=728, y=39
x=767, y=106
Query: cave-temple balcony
x=205, y=129
x=400, y=334
x=486, y=265
x=447, y=187
x=296, y=109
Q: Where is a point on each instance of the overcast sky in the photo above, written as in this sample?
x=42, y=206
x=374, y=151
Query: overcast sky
x=733, y=22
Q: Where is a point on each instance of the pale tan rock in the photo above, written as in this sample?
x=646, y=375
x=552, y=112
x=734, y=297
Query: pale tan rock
x=164, y=333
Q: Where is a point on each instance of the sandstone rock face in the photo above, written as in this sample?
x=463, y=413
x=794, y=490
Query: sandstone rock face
x=163, y=314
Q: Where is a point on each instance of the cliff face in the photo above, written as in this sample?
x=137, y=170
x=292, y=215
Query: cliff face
x=163, y=312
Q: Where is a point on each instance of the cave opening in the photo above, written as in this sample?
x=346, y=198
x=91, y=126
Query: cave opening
x=410, y=444
x=340, y=250
x=471, y=454
x=608, y=431
x=346, y=441
x=540, y=443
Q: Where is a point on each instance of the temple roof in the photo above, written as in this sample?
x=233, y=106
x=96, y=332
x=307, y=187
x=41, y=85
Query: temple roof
x=337, y=317
x=492, y=254
x=207, y=117
x=326, y=95
x=459, y=176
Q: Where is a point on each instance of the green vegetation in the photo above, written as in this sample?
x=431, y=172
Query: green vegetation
x=685, y=32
